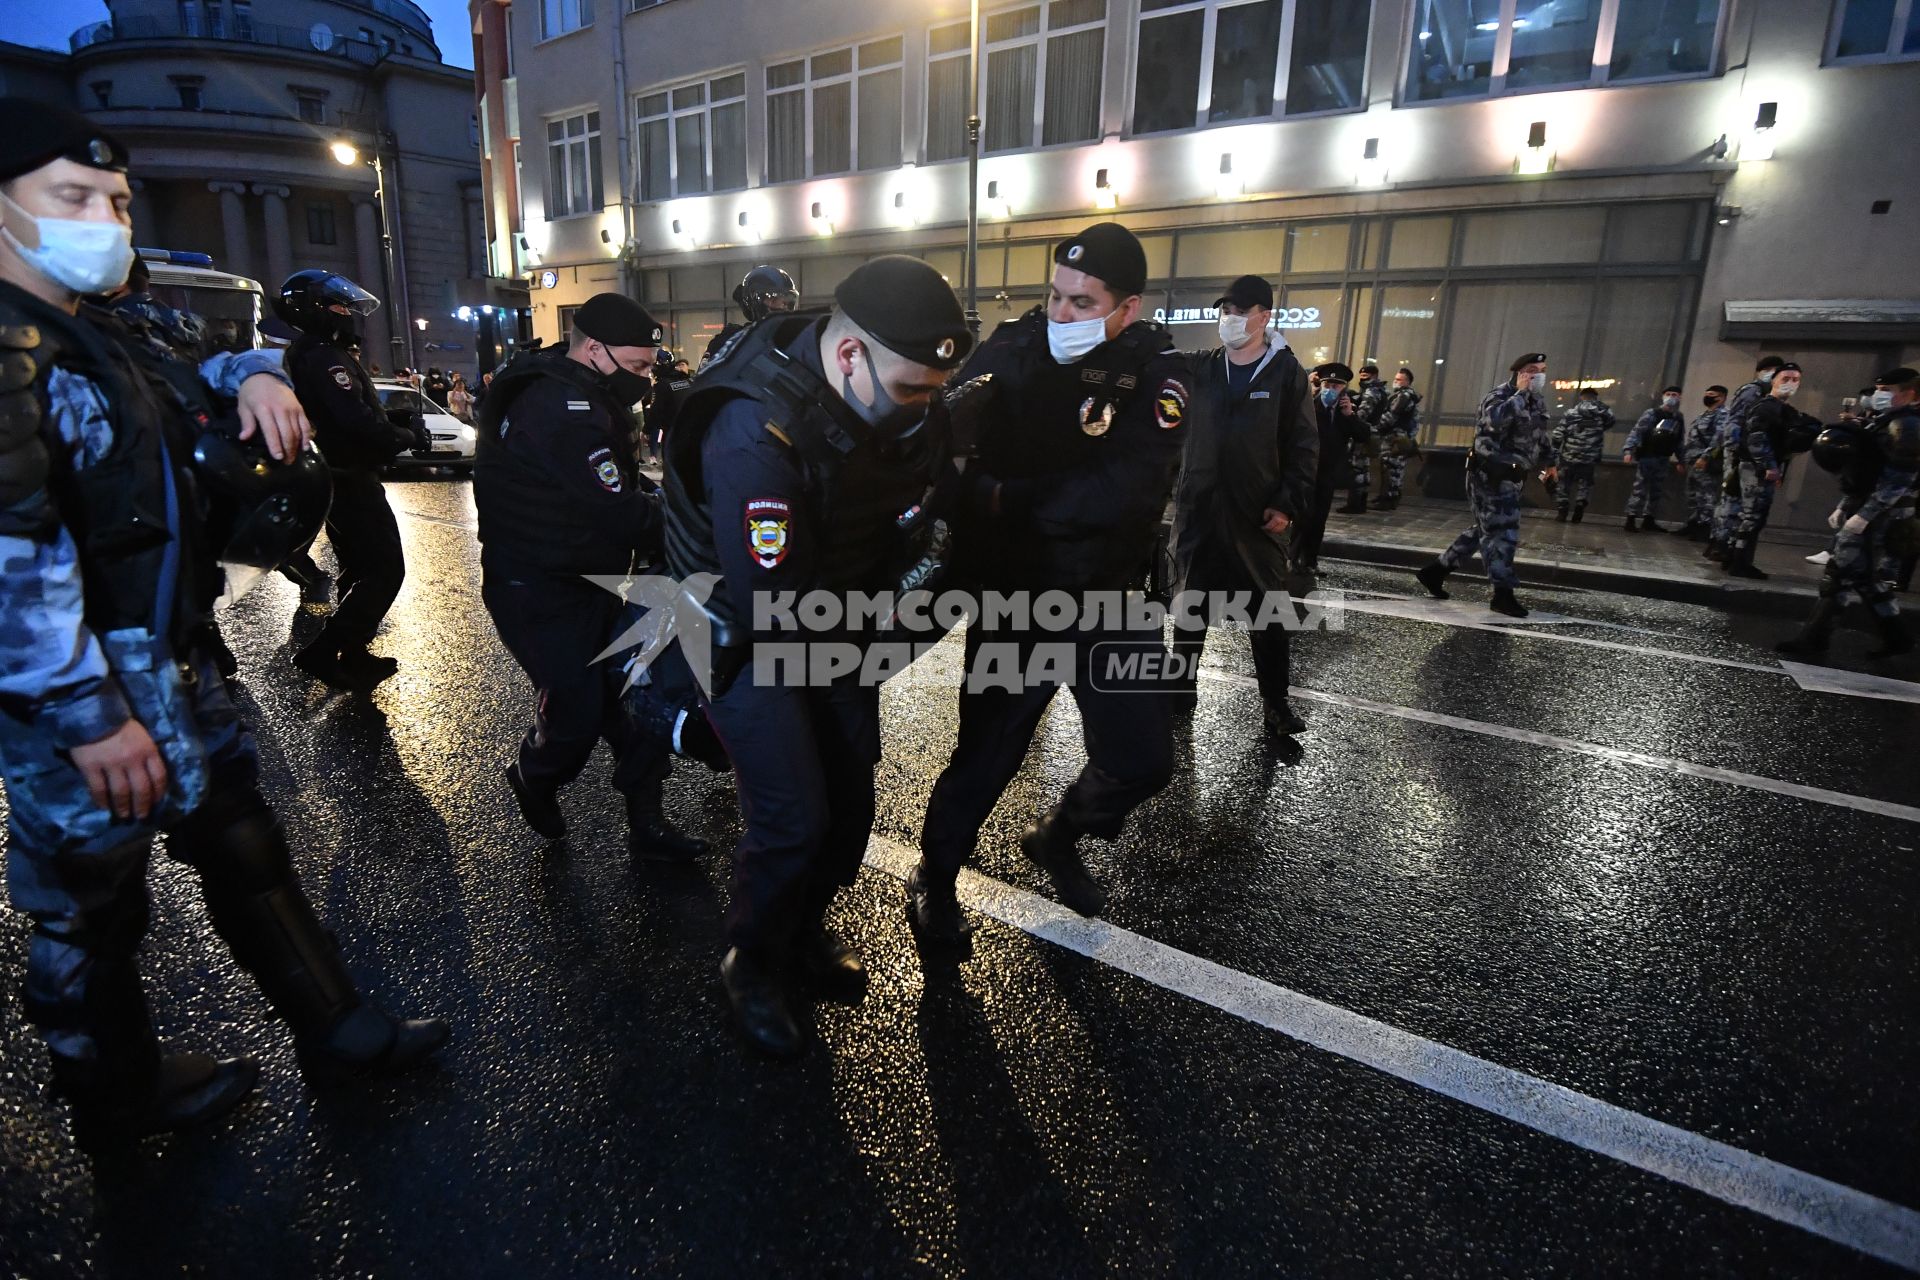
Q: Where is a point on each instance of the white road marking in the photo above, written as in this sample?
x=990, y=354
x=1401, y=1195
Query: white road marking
x=1885, y=1230
x=1819, y=679
x=1754, y=781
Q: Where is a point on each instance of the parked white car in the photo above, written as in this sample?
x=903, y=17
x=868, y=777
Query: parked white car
x=452, y=438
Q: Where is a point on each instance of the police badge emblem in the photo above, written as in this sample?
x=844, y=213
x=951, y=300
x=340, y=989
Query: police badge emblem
x=1095, y=422
x=767, y=520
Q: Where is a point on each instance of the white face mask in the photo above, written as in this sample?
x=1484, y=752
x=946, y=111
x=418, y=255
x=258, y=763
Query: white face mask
x=1233, y=331
x=86, y=257
x=1785, y=390
x=1882, y=401
x=1071, y=340
x=1537, y=382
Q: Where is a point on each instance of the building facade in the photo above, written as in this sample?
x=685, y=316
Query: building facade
x=1649, y=190
x=232, y=111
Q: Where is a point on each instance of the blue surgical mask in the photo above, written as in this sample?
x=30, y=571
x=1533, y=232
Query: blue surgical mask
x=1330, y=396
x=81, y=255
x=1882, y=400
x=1071, y=340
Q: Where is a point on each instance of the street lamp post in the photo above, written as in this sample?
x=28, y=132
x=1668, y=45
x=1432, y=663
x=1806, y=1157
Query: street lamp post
x=402, y=332
x=973, y=171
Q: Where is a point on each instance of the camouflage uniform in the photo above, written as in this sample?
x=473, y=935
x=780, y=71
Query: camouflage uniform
x=1702, y=437
x=1726, y=513
x=1578, y=442
x=1399, y=431
x=1508, y=440
x=1652, y=444
x=1368, y=405
x=1863, y=568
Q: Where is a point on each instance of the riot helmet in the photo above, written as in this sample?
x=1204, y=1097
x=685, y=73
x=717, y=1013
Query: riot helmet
x=259, y=511
x=323, y=304
x=765, y=290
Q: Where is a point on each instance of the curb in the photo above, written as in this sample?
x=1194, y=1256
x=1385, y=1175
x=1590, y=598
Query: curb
x=1740, y=596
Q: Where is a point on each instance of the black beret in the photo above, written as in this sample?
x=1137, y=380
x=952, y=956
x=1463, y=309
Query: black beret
x=1532, y=357
x=1676, y=390
x=1334, y=371
x=35, y=133
x=616, y=320
x=1247, y=291
x=1109, y=252
x=1898, y=377
x=907, y=307
x=1369, y=367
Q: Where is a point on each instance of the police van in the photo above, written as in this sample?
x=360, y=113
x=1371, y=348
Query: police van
x=229, y=304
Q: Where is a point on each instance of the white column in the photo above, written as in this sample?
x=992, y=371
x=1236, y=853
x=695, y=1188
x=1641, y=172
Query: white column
x=233, y=228
x=376, y=346
x=279, y=241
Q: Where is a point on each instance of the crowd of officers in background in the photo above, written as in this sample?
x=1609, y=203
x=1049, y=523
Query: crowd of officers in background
x=847, y=451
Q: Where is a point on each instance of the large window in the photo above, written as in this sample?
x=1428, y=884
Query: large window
x=693, y=138
x=557, y=17
x=573, y=165
x=1042, y=84
x=1874, y=29
x=1213, y=61
x=1467, y=48
x=836, y=111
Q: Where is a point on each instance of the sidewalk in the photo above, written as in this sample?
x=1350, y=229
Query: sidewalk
x=1597, y=554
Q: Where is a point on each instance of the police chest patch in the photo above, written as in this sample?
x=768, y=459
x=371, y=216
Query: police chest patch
x=606, y=470
x=767, y=520
x=1095, y=418
x=1170, y=404
x=341, y=376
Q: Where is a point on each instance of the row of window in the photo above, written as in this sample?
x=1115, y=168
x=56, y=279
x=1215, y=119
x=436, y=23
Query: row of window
x=310, y=105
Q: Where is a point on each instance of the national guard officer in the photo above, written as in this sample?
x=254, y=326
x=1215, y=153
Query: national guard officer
x=764, y=291
x=796, y=453
x=1398, y=427
x=1878, y=463
x=1077, y=450
x=1508, y=438
x=560, y=495
x=357, y=439
x=1726, y=513
x=1702, y=464
x=117, y=722
x=1369, y=406
x=1650, y=450
x=1770, y=432
x=1577, y=443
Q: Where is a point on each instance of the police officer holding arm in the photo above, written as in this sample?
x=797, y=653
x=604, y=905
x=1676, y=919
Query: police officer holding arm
x=357, y=439
x=560, y=495
x=789, y=467
x=116, y=721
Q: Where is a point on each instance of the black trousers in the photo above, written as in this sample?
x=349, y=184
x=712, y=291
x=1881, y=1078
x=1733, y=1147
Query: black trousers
x=1124, y=720
x=366, y=538
x=1311, y=530
x=803, y=760
x=1220, y=569
x=555, y=627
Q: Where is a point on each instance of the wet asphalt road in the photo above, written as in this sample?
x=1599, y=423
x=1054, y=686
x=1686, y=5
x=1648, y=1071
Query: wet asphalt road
x=1738, y=963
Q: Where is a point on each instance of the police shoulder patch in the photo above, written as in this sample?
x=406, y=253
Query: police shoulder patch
x=1170, y=404
x=340, y=375
x=767, y=520
x=606, y=470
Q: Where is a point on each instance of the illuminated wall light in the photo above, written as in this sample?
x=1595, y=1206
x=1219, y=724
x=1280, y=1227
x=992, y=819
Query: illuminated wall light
x=1373, y=170
x=996, y=204
x=1228, y=185
x=1536, y=158
x=420, y=323
x=822, y=224
x=1104, y=196
x=1760, y=146
x=749, y=230
x=682, y=236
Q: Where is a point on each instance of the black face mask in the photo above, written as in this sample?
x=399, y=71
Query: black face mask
x=626, y=386
x=885, y=415
x=1712, y=402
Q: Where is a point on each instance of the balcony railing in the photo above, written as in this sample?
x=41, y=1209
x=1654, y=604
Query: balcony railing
x=244, y=30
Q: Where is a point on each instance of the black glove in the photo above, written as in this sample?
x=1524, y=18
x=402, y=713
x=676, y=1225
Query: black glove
x=962, y=408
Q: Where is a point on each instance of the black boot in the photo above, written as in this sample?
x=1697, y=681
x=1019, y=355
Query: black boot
x=1503, y=602
x=1633, y=524
x=257, y=907
x=1579, y=509
x=651, y=838
x=1739, y=561
x=1432, y=577
x=540, y=806
x=183, y=1090
x=1813, y=637
x=1562, y=516
x=1282, y=721
x=1715, y=549
x=830, y=966
x=1052, y=844
x=940, y=932
x=322, y=661
x=367, y=669
x=1894, y=637
x=760, y=1008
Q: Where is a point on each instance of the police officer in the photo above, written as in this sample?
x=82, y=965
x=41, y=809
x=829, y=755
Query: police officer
x=1508, y=438
x=764, y=291
x=1650, y=449
x=560, y=495
x=1076, y=456
x=117, y=722
x=357, y=439
x=788, y=469
x=1398, y=427
x=1578, y=441
x=1247, y=473
x=1726, y=514
x=1702, y=464
x=1878, y=463
x=1769, y=433
x=1336, y=422
x=1369, y=404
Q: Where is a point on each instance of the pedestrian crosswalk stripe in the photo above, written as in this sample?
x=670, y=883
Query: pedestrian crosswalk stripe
x=1839, y=1213
x=1639, y=759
